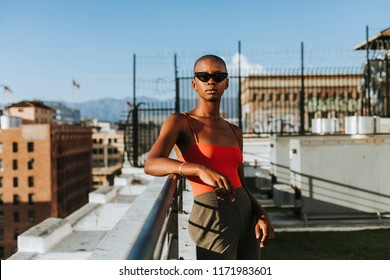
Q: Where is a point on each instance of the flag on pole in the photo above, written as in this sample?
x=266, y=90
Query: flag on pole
x=131, y=106
x=7, y=89
x=75, y=84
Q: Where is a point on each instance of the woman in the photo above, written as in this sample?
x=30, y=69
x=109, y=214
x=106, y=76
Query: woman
x=226, y=222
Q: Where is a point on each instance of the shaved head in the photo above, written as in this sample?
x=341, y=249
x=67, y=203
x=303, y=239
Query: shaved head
x=210, y=57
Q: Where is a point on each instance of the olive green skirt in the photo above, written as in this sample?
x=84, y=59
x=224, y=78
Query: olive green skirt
x=222, y=229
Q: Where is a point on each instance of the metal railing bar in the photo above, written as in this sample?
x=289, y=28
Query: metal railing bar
x=161, y=240
x=149, y=235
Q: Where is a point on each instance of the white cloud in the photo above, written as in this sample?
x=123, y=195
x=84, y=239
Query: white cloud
x=246, y=66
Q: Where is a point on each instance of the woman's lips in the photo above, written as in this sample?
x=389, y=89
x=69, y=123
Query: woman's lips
x=211, y=91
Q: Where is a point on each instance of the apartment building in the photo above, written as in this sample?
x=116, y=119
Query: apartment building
x=270, y=102
x=45, y=171
x=31, y=111
x=108, y=155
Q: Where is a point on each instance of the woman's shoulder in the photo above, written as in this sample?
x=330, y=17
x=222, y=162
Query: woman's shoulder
x=175, y=119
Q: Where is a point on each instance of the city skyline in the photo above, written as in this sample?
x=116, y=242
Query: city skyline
x=48, y=47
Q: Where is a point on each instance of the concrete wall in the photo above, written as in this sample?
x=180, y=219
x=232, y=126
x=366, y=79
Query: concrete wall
x=332, y=174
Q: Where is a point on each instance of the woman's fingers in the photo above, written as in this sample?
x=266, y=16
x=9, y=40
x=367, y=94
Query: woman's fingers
x=266, y=231
x=224, y=188
x=222, y=185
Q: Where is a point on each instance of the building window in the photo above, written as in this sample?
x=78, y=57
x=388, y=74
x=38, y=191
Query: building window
x=30, y=164
x=1, y=147
x=16, y=233
x=31, y=198
x=30, y=146
x=2, y=252
x=1, y=199
x=1, y=234
x=16, y=199
x=16, y=217
x=15, y=147
x=254, y=97
x=1, y=217
x=1, y=182
x=1, y=165
x=31, y=216
x=30, y=181
x=15, y=164
x=16, y=182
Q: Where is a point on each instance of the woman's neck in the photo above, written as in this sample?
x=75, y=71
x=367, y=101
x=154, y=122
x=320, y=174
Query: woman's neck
x=207, y=110
x=204, y=113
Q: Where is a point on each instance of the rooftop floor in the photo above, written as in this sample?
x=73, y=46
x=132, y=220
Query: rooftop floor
x=108, y=225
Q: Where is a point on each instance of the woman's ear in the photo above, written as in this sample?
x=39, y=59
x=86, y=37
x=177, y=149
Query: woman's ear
x=194, y=86
x=227, y=83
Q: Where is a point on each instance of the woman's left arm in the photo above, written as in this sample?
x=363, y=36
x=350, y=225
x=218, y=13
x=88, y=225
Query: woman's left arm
x=263, y=227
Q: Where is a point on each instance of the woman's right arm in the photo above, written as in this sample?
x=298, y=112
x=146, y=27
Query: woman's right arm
x=158, y=162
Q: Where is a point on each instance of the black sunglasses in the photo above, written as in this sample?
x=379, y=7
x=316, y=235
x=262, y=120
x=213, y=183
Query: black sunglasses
x=205, y=77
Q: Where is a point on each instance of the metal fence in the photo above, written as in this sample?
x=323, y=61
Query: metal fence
x=264, y=101
x=142, y=127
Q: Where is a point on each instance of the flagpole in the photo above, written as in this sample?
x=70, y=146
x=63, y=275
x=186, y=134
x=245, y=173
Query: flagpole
x=134, y=77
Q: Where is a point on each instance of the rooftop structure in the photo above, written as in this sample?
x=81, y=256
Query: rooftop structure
x=380, y=41
x=31, y=111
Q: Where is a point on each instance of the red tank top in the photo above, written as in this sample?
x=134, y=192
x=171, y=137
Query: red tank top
x=224, y=159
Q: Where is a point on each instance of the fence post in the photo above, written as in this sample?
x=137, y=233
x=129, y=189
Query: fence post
x=177, y=99
x=135, y=136
x=387, y=67
x=173, y=227
x=368, y=88
x=302, y=94
x=239, y=87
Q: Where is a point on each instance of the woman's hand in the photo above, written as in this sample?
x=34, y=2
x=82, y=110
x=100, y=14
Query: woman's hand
x=265, y=230
x=221, y=183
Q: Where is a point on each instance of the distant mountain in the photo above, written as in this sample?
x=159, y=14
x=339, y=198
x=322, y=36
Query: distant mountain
x=113, y=110
x=108, y=109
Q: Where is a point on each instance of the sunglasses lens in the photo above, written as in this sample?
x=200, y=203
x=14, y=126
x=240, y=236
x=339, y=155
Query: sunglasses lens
x=219, y=77
x=205, y=77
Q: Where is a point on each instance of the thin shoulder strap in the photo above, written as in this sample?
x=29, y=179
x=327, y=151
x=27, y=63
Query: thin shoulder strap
x=234, y=132
x=192, y=129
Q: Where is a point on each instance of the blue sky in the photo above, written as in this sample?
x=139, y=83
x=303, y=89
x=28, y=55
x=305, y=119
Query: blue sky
x=45, y=44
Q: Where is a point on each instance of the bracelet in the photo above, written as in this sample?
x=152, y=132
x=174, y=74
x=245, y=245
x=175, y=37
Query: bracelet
x=181, y=165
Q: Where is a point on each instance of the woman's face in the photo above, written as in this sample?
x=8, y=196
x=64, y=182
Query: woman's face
x=211, y=89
